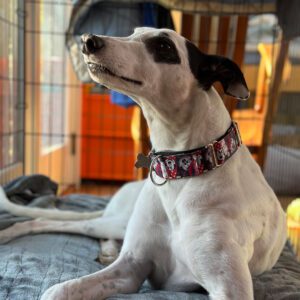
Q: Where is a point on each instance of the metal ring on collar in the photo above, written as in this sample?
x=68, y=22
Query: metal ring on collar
x=151, y=170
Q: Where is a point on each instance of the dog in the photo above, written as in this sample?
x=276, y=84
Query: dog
x=212, y=225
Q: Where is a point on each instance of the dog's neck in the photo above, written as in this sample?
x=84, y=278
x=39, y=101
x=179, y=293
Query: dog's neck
x=202, y=121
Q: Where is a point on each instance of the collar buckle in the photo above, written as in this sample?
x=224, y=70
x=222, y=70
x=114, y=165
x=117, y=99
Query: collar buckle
x=214, y=155
x=237, y=133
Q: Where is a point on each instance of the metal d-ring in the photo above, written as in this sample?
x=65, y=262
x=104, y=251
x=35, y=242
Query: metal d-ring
x=151, y=170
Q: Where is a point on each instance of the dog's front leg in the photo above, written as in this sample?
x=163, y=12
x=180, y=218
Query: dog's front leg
x=124, y=276
x=219, y=265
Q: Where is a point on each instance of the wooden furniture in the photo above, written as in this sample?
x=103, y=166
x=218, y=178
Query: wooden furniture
x=252, y=121
x=282, y=70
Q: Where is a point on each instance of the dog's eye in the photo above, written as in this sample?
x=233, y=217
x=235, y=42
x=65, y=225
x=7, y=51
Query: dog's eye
x=165, y=46
x=163, y=50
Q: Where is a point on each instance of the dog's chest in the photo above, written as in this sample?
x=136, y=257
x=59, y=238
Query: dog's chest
x=172, y=271
x=178, y=275
x=170, y=200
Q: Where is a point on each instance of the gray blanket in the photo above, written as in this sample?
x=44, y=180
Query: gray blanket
x=31, y=264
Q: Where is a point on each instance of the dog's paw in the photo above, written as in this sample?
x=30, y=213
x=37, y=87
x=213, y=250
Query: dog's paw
x=56, y=292
x=61, y=291
x=107, y=259
x=109, y=251
x=72, y=290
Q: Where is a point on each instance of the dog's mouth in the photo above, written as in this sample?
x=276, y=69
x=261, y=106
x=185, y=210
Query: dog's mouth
x=99, y=68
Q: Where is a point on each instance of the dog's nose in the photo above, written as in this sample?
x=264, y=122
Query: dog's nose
x=91, y=43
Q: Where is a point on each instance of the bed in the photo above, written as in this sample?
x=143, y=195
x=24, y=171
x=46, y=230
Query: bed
x=31, y=264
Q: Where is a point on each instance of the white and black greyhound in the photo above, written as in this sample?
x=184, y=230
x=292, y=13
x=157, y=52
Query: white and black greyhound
x=205, y=216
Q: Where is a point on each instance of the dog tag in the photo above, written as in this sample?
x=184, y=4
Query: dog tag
x=143, y=161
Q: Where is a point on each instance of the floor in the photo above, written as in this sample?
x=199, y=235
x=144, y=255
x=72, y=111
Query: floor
x=96, y=188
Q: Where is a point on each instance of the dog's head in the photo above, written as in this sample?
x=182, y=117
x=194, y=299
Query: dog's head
x=158, y=63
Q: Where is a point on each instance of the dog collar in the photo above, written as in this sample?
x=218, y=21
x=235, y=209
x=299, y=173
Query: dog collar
x=179, y=164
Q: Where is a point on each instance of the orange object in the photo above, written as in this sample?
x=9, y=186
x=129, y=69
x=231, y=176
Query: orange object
x=107, y=150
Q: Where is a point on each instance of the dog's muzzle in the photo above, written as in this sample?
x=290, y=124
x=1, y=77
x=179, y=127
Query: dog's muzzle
x=91, y=43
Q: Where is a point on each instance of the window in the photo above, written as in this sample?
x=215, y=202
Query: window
x=53, y=74
x=11, y=86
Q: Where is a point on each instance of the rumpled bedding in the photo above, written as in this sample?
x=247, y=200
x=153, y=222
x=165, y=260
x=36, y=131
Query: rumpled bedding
x=31, y=264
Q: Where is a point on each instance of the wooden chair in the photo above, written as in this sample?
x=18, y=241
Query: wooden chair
x=252, y=121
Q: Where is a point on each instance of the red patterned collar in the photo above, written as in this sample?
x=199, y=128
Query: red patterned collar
x=179, y=164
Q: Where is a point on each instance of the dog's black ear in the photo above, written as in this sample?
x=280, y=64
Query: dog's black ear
x=211, y=68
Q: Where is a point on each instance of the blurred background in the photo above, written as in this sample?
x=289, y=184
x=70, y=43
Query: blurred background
x=55, y=121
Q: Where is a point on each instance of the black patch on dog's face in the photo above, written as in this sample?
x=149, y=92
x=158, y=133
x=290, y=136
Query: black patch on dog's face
x=208, y=69
x=163, y=49
x=197, y=64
